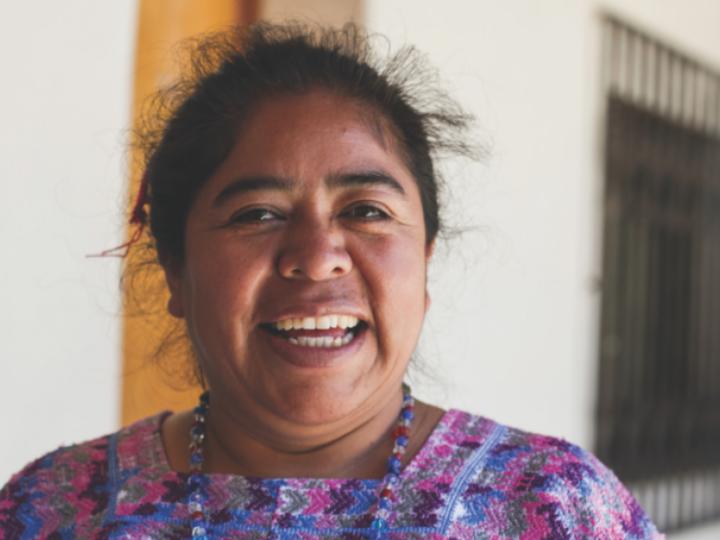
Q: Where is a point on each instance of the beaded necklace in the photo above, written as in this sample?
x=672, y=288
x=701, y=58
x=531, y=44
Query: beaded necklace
x=197, y=481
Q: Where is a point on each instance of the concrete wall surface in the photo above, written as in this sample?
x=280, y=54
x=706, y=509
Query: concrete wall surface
x=64, y=103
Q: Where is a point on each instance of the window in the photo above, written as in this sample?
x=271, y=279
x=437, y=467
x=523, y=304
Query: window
x=658, y=408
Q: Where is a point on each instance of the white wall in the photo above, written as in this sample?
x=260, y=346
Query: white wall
x=513, y=330
x=64, y=105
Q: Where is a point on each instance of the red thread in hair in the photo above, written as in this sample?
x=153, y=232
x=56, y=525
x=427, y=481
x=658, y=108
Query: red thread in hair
x=138, y=218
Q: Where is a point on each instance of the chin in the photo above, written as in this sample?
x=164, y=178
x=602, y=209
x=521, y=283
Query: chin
x=315, y=406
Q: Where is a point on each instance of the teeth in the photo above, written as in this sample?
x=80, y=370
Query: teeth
x=286, y=324
x=324, y=342
x=323, y=323
x=317, y=323
x=309, y=323
x=348, y=322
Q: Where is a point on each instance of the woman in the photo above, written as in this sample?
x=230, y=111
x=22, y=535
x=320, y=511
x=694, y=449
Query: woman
x=294, y=208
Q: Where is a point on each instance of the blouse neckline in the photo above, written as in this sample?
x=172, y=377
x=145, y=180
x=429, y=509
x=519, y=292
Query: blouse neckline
x=160, y=459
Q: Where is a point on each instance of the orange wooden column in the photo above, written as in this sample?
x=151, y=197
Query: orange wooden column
x=147, y=388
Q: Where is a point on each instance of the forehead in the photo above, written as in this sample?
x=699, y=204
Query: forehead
x=316, y=110
x=310, y=135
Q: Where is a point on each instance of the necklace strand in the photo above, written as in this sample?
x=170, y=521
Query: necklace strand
x=197, y=481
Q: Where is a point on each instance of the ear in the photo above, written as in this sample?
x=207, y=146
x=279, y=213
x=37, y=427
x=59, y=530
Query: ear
x=174, y=278
x=429, y=250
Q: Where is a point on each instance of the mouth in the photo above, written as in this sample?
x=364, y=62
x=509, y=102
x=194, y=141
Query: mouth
x=332, y=331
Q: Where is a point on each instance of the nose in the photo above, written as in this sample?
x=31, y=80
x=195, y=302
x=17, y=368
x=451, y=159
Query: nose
x=314, y=252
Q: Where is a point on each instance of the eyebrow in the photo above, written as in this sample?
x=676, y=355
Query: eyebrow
x=251, y=183
x=365, y=178
x=337, y=180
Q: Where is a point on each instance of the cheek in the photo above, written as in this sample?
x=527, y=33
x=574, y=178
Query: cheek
x=395, y=274
x=222, y=281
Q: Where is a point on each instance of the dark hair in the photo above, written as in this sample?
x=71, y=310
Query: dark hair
x=193, y=125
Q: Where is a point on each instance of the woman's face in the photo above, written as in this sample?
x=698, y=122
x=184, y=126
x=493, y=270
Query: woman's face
x=303, y=285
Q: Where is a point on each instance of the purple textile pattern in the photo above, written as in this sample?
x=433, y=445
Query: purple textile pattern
x=473, y=479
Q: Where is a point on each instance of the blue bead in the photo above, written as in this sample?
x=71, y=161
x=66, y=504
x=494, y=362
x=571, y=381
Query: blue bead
x=194, y=481
x=378, y=523
x=394, y=465
x=196, y=458
x=402, y=440
x=407, y=414
x=384, y=503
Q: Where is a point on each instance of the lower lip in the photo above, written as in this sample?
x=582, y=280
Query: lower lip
x=313, y=357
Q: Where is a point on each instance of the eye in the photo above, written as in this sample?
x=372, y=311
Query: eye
x=255, y=216
x=365, y=212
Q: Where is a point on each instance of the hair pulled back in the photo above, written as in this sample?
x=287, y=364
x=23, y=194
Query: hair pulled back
x=193, y=125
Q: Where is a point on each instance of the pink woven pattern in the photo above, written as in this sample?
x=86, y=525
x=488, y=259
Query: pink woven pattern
x=473, y=478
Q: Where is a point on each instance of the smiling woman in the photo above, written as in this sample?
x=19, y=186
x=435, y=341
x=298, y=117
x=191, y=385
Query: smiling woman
x=294, y=209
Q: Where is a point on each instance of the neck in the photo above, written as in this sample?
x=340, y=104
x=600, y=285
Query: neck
x=353, y=447
x=358, y=450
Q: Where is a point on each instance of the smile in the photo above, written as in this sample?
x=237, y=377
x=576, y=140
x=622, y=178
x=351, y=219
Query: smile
x=325, y=332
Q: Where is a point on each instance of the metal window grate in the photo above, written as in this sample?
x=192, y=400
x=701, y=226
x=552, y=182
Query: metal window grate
x=658, y=409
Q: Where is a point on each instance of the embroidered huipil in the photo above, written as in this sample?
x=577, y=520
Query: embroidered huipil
x=473, y=478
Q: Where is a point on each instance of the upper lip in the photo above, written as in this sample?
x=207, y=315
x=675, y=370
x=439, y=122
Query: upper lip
x=316, y=309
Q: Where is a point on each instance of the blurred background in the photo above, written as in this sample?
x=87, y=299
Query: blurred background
x=582, y=299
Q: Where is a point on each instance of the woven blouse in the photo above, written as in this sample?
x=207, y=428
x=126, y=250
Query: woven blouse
x=472, y=479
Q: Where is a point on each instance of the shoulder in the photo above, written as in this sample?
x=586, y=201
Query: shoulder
x=67, y=486
x=556, y=486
